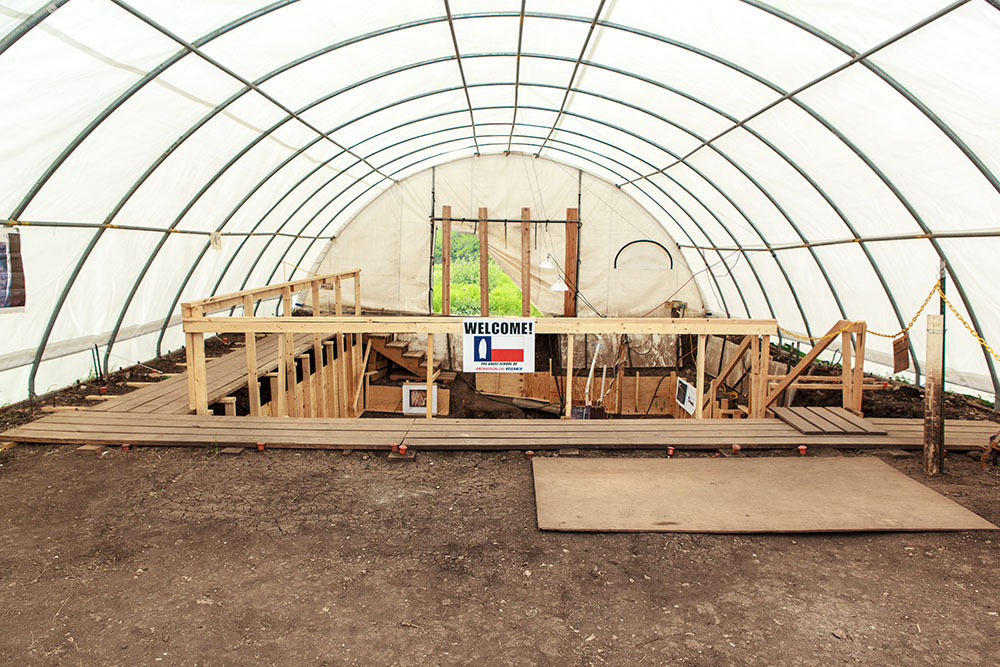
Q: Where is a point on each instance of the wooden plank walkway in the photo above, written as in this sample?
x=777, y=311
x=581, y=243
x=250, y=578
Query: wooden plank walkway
x=117, y=428
x=226, y=374
x=828, y=421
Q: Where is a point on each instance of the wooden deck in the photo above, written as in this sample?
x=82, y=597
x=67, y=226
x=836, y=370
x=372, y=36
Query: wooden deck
x=158, y=429
x=226, y=374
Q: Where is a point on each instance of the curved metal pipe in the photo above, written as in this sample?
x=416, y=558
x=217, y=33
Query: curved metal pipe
x=656, y=243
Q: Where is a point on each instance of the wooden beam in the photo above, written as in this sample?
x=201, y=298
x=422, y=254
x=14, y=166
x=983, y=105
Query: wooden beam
x=753, y=390
x=525, y=263
x=845, y=370
x=934, y=397
x=332, y=388
x=430, y=375
x=250, y=345
x=859, y=369
x=572, y=259
x=453, y=325
x=569, y=376
x=307, y=393
x=338, y=297
x=200, y=373
x=446, y=260
x=235, y=299
x=804, y=363
x=319, y=381
x=357, y=293
x=361, y=376
x=699, y=404
x=484, y=266
x=187, y=312
x=291, y=376
x=765, y=372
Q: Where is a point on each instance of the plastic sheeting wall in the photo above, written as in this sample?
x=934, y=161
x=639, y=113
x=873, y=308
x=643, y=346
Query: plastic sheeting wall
x=390, y=239
x=813, y=160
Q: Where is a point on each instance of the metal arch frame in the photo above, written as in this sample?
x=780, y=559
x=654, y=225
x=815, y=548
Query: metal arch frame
x=25, y=26
x=190, y=49
x=461, y=70
x=870, y=259
x=572, y=76
x=517, y=73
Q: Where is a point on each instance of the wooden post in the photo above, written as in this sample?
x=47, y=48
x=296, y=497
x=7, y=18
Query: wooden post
x=342, y=375
x=753, y=390
x=348, y=373
x=291, y=379
x=525, y=262
x=357, y=292
x=198, y=369
x=845, y=369
x=250, y=343
x=572, y=256
x=934, y=397
x=430, y=375
x=277, y=392
x=859, y=368
x=569, y=375
x=187, y=311
x=765, y=374
x=279, y=398
x=699, y=401
x=446, y=260
x=229, y=405
x=319, y=388
x=338, y=297
x=332, y=384
x=307, y=393
x=484, y=264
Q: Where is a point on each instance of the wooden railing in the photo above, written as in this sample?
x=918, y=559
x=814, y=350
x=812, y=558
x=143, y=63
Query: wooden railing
x=286, y=392
x=196, y=324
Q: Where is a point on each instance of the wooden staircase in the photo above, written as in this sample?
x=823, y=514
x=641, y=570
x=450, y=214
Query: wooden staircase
x=399, y=353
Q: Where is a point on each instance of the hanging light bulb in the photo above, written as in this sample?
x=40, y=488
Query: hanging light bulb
x=559, y=286
x=547, y=263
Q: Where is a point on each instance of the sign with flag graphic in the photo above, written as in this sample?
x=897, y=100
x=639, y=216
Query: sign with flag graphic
x=498, y=345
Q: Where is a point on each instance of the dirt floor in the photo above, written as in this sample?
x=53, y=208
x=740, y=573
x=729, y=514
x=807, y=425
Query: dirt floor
x=182, y=556
x=191, y=557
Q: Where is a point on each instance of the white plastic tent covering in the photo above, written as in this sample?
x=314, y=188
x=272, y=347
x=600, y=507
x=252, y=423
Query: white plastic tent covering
x=832, y=153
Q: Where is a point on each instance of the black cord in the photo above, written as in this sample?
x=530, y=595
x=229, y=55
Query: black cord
x=653, y=398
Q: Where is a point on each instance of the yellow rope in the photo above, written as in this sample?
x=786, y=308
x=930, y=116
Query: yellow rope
x=975, y=334
x=936, y=289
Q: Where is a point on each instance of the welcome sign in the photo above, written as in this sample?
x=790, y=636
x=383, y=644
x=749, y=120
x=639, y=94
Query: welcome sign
x=498, y=345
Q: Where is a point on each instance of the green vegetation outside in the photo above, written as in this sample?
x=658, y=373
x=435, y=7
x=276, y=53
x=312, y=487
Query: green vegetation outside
x=505, y=297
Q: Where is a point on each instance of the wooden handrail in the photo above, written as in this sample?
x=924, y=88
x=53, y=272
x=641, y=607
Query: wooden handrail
x=214, y=304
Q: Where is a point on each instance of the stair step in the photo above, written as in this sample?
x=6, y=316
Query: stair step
x=413, y=355
x=398, y=344
x=384, y=336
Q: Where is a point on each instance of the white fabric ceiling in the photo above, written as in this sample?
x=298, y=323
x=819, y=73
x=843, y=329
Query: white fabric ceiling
x=832, y=153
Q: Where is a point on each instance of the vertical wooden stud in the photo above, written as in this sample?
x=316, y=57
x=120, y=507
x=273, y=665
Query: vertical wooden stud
x=859, y=367
x=430, y=375
x=484, y=264
x=357, y=292
x=341, y=375
x=569, y=376
x=250, y=343
x=699, y=401
x=446, y=260
x=332, y=389
x=765, y=374
x=572, y=257
x=845, y=369
x=291, y=379
x=229, y=406
x=754, y=399
x=525, y=262
x=307, y=393
x=338, y=297
x=187, y=312
x=279, y=387
x=934, y=396
x=319, y=387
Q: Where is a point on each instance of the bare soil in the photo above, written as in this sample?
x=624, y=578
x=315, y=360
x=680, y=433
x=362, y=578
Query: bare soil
x=190, y=557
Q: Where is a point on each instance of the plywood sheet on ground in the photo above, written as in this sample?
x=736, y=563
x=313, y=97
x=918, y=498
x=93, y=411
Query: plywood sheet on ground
x=765, y=495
